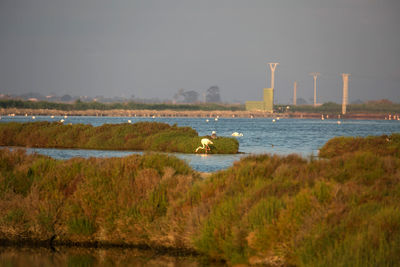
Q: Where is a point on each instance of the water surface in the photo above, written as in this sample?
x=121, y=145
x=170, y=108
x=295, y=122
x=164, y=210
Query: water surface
x=260, y=135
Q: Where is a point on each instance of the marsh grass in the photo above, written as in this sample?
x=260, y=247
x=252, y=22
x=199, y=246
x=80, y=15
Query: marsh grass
x=152, y=136
x=266, y=209
x=379, y=145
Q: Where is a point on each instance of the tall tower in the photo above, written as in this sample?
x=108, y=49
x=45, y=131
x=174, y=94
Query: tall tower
x=295, y=93
x=315, y=75
x=272, y=66
x=345, y=91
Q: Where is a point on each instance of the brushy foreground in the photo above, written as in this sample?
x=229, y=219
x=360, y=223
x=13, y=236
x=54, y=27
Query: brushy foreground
x=273, y=210
x=150, y=136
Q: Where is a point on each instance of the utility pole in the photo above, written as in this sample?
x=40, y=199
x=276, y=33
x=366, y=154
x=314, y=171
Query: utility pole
x=273, y=67
x=295, y=93
x=345, y=91
x=315, y=75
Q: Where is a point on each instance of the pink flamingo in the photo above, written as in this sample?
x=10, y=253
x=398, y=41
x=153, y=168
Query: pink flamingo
x=205, y=142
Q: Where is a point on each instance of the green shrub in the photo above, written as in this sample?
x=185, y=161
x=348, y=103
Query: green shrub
x=14, y=216
x=322, y=191
x=379, y=145
x=264, y=212
x=81, y=226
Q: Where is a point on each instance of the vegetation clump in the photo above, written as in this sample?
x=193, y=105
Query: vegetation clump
x=379, y=145
x=265, y=210
x=152, y=136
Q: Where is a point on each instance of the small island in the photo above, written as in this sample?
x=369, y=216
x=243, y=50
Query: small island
x=144, y=136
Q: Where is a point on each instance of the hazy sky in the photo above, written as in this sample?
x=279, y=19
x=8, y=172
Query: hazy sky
x=151, y=48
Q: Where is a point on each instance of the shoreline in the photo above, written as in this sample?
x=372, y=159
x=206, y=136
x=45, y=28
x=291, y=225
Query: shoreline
x=188, y=113
x=54, y=244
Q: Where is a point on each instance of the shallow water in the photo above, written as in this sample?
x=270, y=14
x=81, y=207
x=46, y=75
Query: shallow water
x=260, y=135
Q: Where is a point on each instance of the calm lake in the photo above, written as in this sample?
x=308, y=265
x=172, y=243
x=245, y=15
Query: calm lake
x=260, y=135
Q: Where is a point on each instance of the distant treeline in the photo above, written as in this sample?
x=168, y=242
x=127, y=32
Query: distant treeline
x=79, y=105
x=150, y=136
x=265, y=210
x=381, y=106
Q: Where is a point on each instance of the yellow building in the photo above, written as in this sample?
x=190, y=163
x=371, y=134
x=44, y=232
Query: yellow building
x=266, y=105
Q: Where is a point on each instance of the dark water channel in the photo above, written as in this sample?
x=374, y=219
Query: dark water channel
x=78, y=256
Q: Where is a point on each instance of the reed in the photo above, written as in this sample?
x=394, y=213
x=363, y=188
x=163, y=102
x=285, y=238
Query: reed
x=151, y=136
x=266, y=209
x=379, y=145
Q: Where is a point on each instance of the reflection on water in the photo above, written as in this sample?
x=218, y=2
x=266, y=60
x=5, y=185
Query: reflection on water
x=67, y=256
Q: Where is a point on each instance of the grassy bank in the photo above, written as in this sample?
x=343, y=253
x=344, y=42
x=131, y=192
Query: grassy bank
x=379, y=145
x=151, y=136
x=342, y=210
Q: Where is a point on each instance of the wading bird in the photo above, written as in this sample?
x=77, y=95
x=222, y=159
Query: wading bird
x=205, y=142
x=237, y=134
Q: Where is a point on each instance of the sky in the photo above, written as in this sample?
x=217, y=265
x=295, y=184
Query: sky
x=153, y=48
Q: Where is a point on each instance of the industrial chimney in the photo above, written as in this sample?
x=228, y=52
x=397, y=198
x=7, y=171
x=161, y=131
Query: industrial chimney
x=345, y=91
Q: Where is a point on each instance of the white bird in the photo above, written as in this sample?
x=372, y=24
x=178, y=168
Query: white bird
x=129, y=121
x=65, y=116
x=237, y=134
x=52, y=116
x=205, y=142
x=216, y=119
x=62, y=120
x=207, y=120
x=33, y=117
x=273, y=120
x=339, y=122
